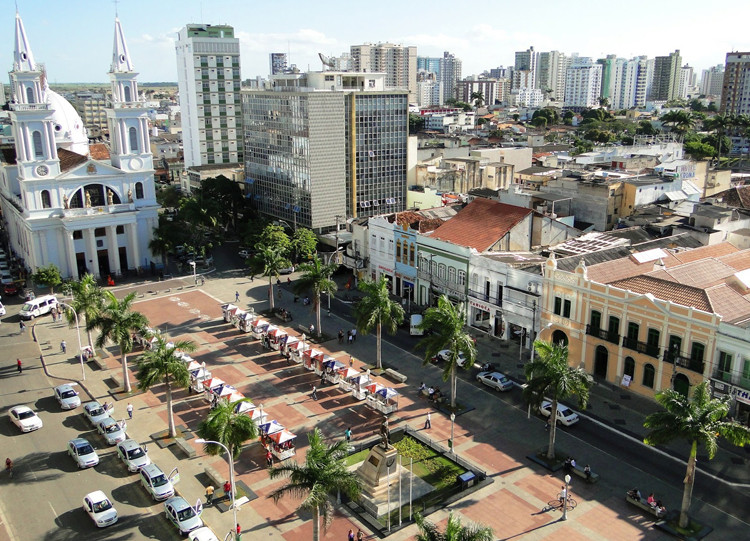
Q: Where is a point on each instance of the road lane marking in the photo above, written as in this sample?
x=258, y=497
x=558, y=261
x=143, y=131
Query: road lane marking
x=53, y=511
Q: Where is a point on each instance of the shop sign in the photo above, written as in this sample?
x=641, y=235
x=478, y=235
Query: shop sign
x=482, y=306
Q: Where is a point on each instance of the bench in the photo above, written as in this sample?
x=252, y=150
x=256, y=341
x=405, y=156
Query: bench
x=216, y=479
x=591, y=478
x=185, y=447
x=98, y=362
x=644, y=505
x=393, y=374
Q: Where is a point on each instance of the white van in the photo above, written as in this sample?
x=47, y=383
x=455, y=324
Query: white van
x=415, y=322
x=38, y=307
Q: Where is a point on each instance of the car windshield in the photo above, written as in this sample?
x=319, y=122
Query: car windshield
x=68, y=394
x=159, y=480
x=135, y=453
x=85, y=449
x=25, y=414
x=102, y=506
x=26, y=308
x=185, y=514
x=566, y=412
x=96, y=411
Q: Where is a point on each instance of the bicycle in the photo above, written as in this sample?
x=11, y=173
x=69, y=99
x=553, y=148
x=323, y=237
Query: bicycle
x=553, y=505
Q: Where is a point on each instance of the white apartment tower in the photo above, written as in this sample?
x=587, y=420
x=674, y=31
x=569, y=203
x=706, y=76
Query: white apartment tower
x=712, y=80
x=450, y=72
x=208, y=73
x=551, y=67
x=398, y=62
x=629, y=82
x=525, y=61
x=583, y=83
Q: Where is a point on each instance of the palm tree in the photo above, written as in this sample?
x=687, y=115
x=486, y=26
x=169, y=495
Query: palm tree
x=377, y=309
x=681, y=121
x=454, y=530
x=316, y=277
x=550, y=377
x=323, y=473
x=719, y=124
x=699, y=421
x=87, y=302
x=225, y=425
x=268, y=262
x=161, y=242
x=477, y=98
x=160, y=364
x=116, y=323
x=445, y=326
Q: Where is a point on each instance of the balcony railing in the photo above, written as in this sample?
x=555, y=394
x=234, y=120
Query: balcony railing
x=30, y=106
x=482, y=296
x=603, y=334
x=640, y=347
x=696, y=365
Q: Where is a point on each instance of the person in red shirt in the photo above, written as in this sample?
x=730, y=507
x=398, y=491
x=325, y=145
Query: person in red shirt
x=227, y=489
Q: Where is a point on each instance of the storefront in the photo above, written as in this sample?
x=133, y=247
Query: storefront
x=740, y=404
x=480, y=315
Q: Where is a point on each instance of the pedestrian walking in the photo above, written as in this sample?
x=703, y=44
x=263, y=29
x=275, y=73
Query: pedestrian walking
x=360, y=535
x=22, y=326
x=209, y=494
x=227, y=489
x=354, y=335
x=312, y=329
x=348, y=434
x=314, y=392
x=349, y=338
x=351, y=361
x=548, y=424
x=130, y=410
x=350, y=536
x=63, y=347
x=236, y=296
x=269, y=458
x=54, y=317
x=20, y=366
x=239, y=530
x=428, y=421
x=341, y=336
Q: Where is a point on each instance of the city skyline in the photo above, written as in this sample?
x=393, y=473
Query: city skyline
x=485, y=40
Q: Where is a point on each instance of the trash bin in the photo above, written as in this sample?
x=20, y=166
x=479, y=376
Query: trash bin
x=467, y=480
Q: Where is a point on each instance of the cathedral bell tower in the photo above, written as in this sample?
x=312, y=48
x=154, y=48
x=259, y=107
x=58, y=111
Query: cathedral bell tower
x=127, y=119
x=31, y=115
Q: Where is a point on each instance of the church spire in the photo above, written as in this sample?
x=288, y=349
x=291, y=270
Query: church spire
x=120, y=56
x=23, y=59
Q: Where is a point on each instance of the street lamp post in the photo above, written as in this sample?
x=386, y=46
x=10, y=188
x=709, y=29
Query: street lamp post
x=78, y=333
x=195, y=277
x=565, y=498
x=453, y=443
x=231, y=474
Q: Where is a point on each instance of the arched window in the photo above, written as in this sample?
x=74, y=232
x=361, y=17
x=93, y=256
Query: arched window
x=441, y=271
x=139, y=190
x=411, y=255
x=559, y=338
x=46, y=202
x=452, y=275
x=29, y=94
x=648, y=376
x=629, y=367
x=133, y=133
x=127, y=93
x=36, y=141
x=462, y=277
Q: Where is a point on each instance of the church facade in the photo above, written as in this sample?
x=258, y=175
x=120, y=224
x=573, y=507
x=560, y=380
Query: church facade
x=84, y=208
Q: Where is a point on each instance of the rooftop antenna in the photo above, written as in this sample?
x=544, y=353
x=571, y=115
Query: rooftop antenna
x=115, y=2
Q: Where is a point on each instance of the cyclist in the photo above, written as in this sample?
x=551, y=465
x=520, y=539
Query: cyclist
x=563, y=494
x=9, y=466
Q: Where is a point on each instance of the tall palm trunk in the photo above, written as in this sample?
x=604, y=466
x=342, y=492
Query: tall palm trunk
x=689, y=481
x=453, y=386
x=552, y=430
x=270, y=292
x=170, y=414
x=317, y=314
x=316, y=523
x=379, y=346
x=91, y=343
x=125, y=375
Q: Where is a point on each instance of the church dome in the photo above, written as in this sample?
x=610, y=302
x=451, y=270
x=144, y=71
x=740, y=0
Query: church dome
x=69, y=130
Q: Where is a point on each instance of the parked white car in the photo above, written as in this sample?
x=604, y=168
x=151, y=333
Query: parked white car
x=133, y=455
x=565, y=415
x=185, y=518
x=112, y=431
x=96, y=412
x=25, y=418
x=100, y=509
x=203, y=533
x=83, y=453
x=444, y=354
x=156, y=483
x=67, y=396
x=496, y=380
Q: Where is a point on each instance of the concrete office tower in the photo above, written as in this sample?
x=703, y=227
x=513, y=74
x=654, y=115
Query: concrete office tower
x=429, y=63
x=430, y=92
x=550, y=77
x=277, y=63
x=208, y=74
x=712, y=80
x=629, y=83
x=583, y=83
x=735, y=95
x=501, y=73
x=609, y=76
x=450, y=73
x=666, y=84
x=490, y=89
x=398, y=62
x=325, y=144
x=526, y=61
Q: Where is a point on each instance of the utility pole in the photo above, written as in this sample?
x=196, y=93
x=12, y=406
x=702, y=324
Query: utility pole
x=338, y=217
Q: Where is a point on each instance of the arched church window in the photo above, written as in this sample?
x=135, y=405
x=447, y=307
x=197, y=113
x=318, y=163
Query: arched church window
x=36, y=141
x=139, y=190
x=46, y=201
x=133, y=133
x=29, y=94
x=127, y=93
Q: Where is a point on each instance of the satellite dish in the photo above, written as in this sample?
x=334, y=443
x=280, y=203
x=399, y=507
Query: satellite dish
x=327, y=62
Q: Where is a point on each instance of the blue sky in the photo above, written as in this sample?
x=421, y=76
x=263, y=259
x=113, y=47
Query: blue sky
x=74, y=37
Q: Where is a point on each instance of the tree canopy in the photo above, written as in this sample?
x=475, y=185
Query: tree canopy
x=49, y=276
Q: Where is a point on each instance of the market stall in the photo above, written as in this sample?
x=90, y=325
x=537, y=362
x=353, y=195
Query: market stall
x=275, y=338
x=359, y=384
x=198, y=375
x=343, y=378
x=383, y=399
x=231, y=313
x=297, y=350
x=209, y=384
x=227, y=310
x=259, y=327
x=309, y=358
x=257, y=414
x=282, y=444
x=267, y=429
x=331, y=369
x=245, y=322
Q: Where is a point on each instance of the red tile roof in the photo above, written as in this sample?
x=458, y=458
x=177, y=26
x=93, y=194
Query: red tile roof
x=99, y=151
x=668, y=291
x=69, y=159
x=481, y=224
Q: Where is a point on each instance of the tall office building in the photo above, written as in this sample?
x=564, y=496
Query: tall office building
x=550, y=76
x=208, y=74
x=609, y=76
x=398, y=62
x=735, y=95
x=666, y=83
x=629, y=83
x=277, y=63
x=525, y=61
x=450, y=73
x=326, y=144
x=712, y=80
x=583, y=83
x=429, y=63
x=686, y=83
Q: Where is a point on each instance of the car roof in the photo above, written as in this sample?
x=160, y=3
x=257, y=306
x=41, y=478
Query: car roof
x=92, y=404
x=19, y=409
x=79, y=442
x=178, y=502
x=107, y=421
x=498, y=375
x=152, y=469
x=129, y=444
x=64, y=387
x=96, y=496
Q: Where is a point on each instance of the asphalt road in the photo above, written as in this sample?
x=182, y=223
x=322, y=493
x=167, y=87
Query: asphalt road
x=43, y=500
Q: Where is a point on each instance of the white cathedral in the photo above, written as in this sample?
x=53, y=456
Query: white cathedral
x=79, y=206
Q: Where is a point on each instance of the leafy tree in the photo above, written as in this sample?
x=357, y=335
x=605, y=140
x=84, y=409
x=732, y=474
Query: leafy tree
x=516, y=116
x=568, y=118
x=316, y=277
x=712, y=107
x=445, y=326
x=697, y=105
x=627, y=140
x=539, y=122
x=416, y=123
x=163, y=240
x=581, y=146
x=268, y=262
x=323, y=473
x=226, y=425
x=304, y=243
x=454, y=530
x=719, y=124
x=478, y=99
x=549, y=376
x=228, y=194
x=160, y=364
x=88, y=299
x=548, y=113
x=699, y=150
x=698, y=421
x=273, y=236
x=116, y=323
x=481, y=121
x=596, y=115
x=646, y=127
x=49, y=276
x=463, y=105
x=169, y=197
x=376, y=310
